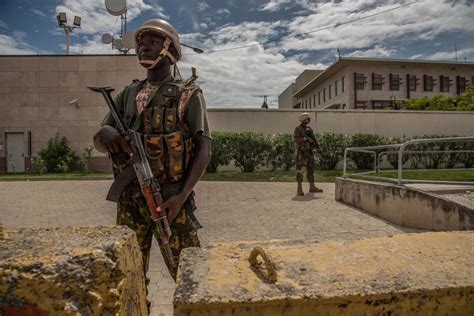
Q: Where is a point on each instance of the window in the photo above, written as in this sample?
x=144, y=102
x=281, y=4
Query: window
x=314, y=100
x=330, y=89
x=444, y=83
x=360, y=105
x=461, y=84
x=428, y=83
x=359, y=81
x=394, y=82
x=377, y=81
x=310, y=102
x=324, y=95
x=319, y=97
x=377, y=105
x=412, y=82
x=335, y=88
x=342, y=84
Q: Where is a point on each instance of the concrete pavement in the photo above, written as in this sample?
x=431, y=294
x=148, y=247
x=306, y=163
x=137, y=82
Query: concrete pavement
x=229, y=211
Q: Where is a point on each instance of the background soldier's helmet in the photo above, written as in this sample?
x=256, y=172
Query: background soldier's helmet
x=304, y=116
x=170, y=36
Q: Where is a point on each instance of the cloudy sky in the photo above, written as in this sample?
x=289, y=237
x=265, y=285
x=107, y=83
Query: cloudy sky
x=280, y=38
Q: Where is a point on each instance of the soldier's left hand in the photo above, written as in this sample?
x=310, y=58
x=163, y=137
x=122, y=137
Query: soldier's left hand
x=173, y=205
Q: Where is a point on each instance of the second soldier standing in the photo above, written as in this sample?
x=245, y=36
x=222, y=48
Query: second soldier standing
x=305, y=145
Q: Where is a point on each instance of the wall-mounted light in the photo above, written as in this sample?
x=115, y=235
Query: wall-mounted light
x=74, y=102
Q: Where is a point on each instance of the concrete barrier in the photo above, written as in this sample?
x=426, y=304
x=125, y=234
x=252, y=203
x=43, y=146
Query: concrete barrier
x=71, y=271
x=405, y=206
x=424, y=274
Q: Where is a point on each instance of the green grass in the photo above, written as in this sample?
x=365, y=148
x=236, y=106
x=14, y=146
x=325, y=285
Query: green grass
x=257, y=176
x=269, y=176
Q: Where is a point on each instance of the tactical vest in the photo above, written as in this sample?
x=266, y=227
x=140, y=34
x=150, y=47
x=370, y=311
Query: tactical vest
x=166, y=138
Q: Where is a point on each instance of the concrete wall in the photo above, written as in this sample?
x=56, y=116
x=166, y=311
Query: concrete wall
x=386, y=123
x=404, y=206
x=285, y=99
x=405, y=274
x=71, y=271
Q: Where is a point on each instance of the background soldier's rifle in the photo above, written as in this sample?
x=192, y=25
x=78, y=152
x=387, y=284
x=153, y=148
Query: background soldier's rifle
x=139, y=168
x=314, y=144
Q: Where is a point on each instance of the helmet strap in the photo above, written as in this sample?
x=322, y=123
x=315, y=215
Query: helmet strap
x=150, y=64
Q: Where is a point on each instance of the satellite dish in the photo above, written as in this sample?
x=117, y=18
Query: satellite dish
x=107, y=38
x=116, y=7
x=118, y=43
x=128, y=40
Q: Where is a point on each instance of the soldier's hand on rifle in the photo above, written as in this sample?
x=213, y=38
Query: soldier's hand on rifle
x=173, y=205
x=112, y=141
x=310, y=140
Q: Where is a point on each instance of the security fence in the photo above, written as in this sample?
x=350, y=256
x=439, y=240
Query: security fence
x=429, y=151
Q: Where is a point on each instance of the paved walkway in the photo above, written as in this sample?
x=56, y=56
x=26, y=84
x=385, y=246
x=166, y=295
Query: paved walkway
x=229, y=211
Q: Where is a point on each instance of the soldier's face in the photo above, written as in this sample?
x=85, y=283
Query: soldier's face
x=149, y=46
x=306, y=121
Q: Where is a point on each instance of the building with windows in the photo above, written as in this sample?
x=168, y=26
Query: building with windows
x=370, y=83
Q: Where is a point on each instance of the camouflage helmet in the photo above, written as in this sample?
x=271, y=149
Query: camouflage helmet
x=304, y=116
x=170, y=35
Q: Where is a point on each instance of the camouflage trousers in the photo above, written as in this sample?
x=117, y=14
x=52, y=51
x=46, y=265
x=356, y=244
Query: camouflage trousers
x=305, y=162
x=133, y=212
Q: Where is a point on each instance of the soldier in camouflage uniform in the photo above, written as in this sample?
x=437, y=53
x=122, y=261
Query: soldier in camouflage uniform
x=171, y=115
x=305, y=143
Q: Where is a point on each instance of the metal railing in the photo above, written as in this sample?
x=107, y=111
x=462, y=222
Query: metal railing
x=399, y=150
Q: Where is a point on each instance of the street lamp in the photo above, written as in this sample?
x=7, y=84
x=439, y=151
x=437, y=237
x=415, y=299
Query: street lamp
x=62, y=22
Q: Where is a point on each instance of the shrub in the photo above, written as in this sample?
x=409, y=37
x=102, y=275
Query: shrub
x=464, y=102
x=39, y=165
x=86, y=158
x=58, y=156
x=250, y=150
x=365, y=160
x=221, y=150
x=332, y=149
x=434, y=160
x=283, y=152
x=393, y=158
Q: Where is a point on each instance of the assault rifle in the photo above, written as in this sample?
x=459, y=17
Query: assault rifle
x=314, y=144
x=138, y=168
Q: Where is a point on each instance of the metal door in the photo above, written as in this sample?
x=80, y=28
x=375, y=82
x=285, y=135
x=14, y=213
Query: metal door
x=15, y=152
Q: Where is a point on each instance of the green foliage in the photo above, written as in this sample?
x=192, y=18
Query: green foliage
x=86, y=158
x=39, y=165
x=433, y=160
x=332, y=149
x=365, y=160
x=58, y=156
x=250, y=150
x=464, y=102
x=393, y=158
x=221, y=150
x=283, y=150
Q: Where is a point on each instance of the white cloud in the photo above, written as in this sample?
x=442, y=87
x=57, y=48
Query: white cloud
x=238, y=78
x=96, y=19
x=3, y=25
x=451, y=55
x=377, y=51
x=38, y=12
x=273, y=5
x=223, y=13
x=422, y=20
x=13, y=46
x=202, y=6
